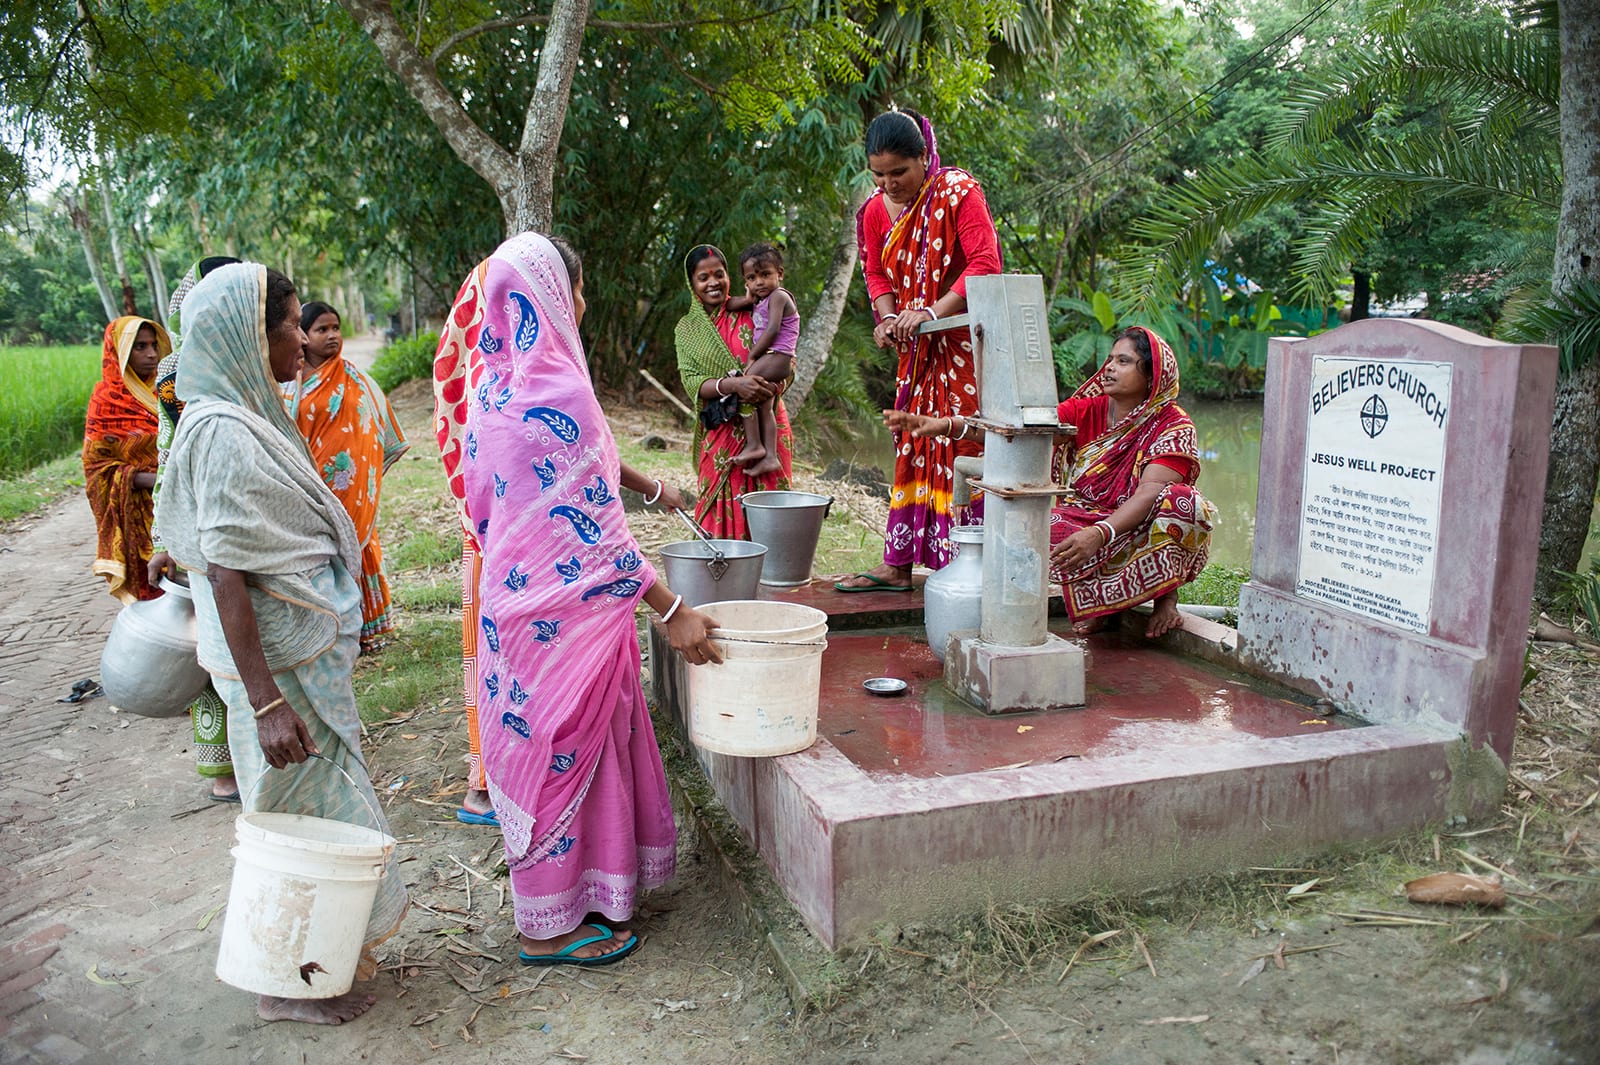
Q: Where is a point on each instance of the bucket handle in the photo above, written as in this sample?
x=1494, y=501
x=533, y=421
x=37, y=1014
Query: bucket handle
x=377, y=816
x=827, y=508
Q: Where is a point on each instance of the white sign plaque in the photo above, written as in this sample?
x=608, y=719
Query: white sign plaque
x=1369, y=517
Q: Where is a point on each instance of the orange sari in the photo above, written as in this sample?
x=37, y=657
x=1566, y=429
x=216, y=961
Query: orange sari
x=119, y=441
x=354, y=438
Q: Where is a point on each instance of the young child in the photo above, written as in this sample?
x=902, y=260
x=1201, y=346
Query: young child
x=777, y=329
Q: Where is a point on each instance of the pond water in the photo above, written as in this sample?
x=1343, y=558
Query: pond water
x=1230, y=456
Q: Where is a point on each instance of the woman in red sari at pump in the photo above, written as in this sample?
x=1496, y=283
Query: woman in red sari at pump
x=1130, y=526
x=922, y=234
x=119, y=454
x=713, y=348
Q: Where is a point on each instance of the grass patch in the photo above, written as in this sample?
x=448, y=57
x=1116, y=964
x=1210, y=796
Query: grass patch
x=1217, y=585
x=432, y=596
x=425, y=549
x=420, y=667
x=45, y=419
x=40, y=486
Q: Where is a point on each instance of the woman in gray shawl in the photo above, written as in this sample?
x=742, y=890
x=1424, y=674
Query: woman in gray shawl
x=279, y=612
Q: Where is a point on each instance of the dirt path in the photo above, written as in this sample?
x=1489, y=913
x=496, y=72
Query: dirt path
x=113, y=865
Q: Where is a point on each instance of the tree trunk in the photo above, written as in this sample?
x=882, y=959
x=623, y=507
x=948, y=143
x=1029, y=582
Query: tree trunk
x=1361, y=296
x=1574, y=460
x=80, y=222
x=534, y=204
x=152, y=267
x=130, y=303
x=816, y=339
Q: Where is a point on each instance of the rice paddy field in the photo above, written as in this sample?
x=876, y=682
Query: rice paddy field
x=41, y=416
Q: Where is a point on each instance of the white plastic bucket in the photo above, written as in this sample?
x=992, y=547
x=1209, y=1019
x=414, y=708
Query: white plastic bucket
x=761, y=701
x=302, y=893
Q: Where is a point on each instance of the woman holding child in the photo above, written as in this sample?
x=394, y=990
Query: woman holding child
x=1130, y=526
x=568, y=750
x=922, y=234
x=714, y=347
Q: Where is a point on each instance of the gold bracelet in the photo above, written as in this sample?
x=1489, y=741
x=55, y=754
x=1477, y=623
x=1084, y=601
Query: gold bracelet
x=265, y=710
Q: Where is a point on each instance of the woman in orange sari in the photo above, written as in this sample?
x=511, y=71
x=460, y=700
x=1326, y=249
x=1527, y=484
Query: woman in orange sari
x=922, y=234
x=354, y=439
x=119, y=454
x=713, y=348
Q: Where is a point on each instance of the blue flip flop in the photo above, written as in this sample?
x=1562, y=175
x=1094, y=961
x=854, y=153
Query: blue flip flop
x=564, y=956
x=467, y=817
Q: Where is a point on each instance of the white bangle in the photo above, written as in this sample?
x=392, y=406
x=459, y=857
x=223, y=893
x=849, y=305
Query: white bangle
x=887, y=317
x=931, y=316
x=671, y=610
x=962, y=435
x=659, y=489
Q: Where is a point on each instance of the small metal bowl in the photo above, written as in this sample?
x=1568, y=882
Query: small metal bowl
x=885, y=685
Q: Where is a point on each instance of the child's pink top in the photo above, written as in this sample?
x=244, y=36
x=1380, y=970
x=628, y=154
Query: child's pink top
x=788, y=337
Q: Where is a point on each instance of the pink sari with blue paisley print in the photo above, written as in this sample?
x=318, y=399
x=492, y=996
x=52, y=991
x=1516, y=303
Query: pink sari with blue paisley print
x=568, y=749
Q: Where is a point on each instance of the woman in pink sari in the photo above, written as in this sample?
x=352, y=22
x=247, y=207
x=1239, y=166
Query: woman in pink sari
x=568, y=751
x=713, y=348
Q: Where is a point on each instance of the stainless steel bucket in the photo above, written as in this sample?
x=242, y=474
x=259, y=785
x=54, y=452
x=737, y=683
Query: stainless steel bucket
x=688, y=564
x=789, y=523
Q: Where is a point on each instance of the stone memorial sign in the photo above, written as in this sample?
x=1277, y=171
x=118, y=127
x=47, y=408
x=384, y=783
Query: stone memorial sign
x=1369, y=513
x=1397, y=523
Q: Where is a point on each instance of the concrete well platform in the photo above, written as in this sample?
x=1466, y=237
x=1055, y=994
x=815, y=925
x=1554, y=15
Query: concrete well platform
x=920, y=806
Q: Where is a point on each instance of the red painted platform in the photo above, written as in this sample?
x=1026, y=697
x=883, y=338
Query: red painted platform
x=1140, y=700
x=919, y=807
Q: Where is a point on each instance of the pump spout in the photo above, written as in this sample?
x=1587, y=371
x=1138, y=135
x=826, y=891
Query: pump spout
x=966, y=467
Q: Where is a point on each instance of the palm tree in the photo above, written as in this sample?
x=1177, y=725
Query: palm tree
x=1508, y=99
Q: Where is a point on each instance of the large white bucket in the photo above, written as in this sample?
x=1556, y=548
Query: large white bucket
x=302, y=893
x=762, y=700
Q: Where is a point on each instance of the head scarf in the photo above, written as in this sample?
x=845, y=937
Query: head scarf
x=1106, y=470
x=227, y=313
x=122, y=404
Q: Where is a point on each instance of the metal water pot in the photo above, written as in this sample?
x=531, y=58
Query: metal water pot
x=789, y=524
x=952, y=599
x=150, y=666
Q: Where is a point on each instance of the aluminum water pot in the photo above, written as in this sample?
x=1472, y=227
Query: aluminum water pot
x=694, y=571
x=149, y=666
x=952, y=599
x=789, y=523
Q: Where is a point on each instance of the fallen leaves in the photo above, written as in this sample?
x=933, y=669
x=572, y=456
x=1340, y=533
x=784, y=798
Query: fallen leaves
x=210, y=915
x=1457, y=889
x=114, y=980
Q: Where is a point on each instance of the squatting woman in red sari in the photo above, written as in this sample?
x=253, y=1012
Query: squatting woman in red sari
x=922, y=234
x=119, y=454
x=1130, y=526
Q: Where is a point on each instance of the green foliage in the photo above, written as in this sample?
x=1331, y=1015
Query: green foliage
x=1571, y=320
x=420, y=667
x=1584, y=590
x=1217, y=585
x=42, y=418
x=424, y=549
x=37, y=488
x=404, y=360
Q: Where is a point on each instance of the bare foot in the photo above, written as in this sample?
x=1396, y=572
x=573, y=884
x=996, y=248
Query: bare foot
x=346, y=1007
x=543, y=947
x=1165, y=617
x=751, y=453
x=477, y=801
x=225, y=787
x=883, y=574
x=767, y=465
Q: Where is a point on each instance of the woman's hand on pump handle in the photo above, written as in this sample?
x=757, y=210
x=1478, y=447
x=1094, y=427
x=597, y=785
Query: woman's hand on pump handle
x=920, y=425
